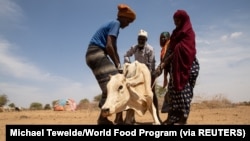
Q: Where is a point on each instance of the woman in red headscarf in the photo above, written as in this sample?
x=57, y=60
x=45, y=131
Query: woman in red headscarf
x=184, y=68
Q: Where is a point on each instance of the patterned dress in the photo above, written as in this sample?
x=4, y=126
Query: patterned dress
x=180, y=101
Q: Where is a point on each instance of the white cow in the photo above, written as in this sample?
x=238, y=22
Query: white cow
x=131, y=90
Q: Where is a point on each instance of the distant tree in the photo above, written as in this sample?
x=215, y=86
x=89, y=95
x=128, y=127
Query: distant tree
x=12, y=105
x=54, y=102
x=3, y=100
x=84, y=101
x=47, y=107
x=83, y=104
x=98, y=98
x=36, y=106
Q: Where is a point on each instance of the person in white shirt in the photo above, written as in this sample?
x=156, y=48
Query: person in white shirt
x=143, y=53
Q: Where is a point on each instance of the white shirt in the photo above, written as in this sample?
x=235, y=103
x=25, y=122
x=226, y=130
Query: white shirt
x=145, y=55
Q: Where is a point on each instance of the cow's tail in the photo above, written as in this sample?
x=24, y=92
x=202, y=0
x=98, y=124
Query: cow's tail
x=155, y=99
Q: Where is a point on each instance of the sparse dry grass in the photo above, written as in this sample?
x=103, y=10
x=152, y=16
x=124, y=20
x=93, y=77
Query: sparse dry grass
x=218, y=101
x=217, y=110
x=199, y=115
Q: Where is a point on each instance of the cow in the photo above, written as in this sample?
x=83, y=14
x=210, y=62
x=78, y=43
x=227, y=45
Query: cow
x=131, y=90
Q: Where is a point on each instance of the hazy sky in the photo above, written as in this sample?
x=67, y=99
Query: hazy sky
x=43, y=45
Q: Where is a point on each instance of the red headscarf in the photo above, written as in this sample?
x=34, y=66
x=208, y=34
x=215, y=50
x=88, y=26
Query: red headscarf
x=182, y=43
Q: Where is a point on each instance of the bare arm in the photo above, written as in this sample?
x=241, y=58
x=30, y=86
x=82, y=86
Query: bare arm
x=128, y=54
x=166, y=60
x=152, y=61
x=163, y=64
x=111, y=49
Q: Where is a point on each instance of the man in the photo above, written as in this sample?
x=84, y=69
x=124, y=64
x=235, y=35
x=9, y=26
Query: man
x=102, y=56
x=144, y=53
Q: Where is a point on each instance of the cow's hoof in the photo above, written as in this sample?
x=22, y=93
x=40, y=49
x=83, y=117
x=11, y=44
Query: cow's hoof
x=164, y=122
x=119, y=122
x=133, y=121
x=156, y=123
x=104, y=121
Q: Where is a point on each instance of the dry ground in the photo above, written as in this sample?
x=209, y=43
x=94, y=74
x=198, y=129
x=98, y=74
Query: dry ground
x=198, y=115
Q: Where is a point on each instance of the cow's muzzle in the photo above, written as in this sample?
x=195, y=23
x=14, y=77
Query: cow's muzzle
x=105, y=112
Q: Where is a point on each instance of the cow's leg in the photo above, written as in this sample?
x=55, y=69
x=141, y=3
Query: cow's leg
x=103, y=120
x=133, y=117
x=130, y=117
x=153, y=112
x=155, y=99
x=155, y=103
x=118, y=118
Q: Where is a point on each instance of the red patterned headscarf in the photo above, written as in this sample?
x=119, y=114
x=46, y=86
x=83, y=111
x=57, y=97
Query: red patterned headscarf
x=182, y=43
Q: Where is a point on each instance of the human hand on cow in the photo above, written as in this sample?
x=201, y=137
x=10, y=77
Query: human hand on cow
x=119, y=68
x=157, y=72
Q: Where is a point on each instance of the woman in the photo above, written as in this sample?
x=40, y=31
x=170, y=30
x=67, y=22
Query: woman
x=164, y=43
x=102, y=56
x=183, y=68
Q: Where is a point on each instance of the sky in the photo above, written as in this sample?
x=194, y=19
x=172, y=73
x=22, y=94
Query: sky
x=43, y=45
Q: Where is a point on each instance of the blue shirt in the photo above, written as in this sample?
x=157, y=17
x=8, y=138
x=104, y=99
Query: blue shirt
x=100, y=37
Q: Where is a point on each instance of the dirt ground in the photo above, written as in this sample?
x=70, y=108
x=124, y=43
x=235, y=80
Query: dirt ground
x=198, y=116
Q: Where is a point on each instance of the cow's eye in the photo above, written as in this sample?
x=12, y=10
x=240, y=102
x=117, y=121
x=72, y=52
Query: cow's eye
x=120, y=87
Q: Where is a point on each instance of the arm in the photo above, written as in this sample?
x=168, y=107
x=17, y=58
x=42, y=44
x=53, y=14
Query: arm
x=128, y=54
x=111, y=49
x=167, y=59
x=152, y=60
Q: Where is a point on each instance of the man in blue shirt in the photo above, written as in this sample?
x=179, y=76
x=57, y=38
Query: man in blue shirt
x=102, y=56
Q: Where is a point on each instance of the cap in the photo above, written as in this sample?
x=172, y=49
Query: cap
x=143, y=33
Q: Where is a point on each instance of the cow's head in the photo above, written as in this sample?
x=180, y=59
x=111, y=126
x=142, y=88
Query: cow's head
x=125, y=90
x=118, y=95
